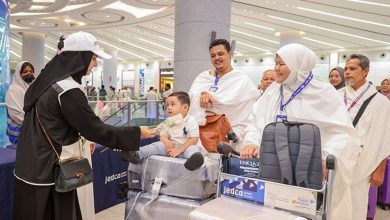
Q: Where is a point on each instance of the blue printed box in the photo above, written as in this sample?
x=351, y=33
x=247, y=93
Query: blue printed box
x=242, y=188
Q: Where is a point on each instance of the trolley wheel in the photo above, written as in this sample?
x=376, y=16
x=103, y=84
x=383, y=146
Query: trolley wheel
x=385, y=207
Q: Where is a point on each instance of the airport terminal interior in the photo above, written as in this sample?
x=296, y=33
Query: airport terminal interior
x=161, y=46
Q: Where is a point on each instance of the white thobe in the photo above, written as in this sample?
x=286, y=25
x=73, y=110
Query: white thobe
x=151, y=105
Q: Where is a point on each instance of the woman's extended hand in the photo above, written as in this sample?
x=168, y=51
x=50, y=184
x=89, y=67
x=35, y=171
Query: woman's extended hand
x=146, y=132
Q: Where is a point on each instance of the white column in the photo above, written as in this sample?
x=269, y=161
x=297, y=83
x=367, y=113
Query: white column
x=110, y=68
x=334, y=60
x=33, y=49
x=288, y=37
x=194, y=21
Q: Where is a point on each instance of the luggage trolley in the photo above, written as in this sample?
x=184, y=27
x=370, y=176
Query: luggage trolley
x=278, y=200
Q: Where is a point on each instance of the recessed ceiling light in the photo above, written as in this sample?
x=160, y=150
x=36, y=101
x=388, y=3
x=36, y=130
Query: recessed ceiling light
x=52, y=48
x=238, y=53
x=156, y=44
x=43, y=1
x=322, y=42
x=16, y=41
x=260, y=26
x=137, y=12
x=164, y=38
x=125, y=51
x=37, y=7
x=343, y=17
x=370, y=3
x=251, y=35
x=14, y=53
x=327, y=29
x=142, y=48
x=74, y=7
x=248, y=45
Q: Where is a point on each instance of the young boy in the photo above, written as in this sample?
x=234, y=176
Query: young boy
x=180, y=140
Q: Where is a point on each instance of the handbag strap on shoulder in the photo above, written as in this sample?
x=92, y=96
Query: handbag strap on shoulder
x=47, y=136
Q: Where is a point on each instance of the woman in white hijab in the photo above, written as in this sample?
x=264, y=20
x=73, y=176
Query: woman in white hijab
x=14, y=99
x=316, y=102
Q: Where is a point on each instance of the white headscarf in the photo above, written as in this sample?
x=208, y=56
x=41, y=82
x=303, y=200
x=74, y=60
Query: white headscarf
x=320, y=104
x=14, y=98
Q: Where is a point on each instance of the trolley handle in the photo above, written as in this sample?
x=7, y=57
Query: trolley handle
x=330, y=162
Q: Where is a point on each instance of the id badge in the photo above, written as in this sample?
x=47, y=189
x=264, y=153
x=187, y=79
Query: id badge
x=281, y=117
x=213, y=89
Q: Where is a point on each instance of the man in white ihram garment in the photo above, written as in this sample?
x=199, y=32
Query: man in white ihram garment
x=151, y=105
x=373, y=128
x=223, y=90
x=317, y=103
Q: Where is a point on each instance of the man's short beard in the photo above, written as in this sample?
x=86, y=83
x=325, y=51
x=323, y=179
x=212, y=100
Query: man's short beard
x=350, y=82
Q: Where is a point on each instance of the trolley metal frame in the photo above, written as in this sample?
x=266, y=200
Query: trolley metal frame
x=320, y=214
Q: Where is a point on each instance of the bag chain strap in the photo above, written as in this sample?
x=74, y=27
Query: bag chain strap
x=48, y=138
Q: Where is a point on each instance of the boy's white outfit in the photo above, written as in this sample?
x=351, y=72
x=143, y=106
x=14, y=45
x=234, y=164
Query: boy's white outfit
x=178, y=134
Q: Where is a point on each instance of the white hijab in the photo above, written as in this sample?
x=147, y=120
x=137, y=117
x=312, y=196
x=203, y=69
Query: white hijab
x=320, y=104
x=14, y=98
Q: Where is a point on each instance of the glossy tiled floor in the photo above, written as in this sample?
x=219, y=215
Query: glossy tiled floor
x=118, y=213
x=114, y=213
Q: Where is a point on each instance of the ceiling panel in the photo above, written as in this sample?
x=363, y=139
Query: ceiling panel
x=144, y=29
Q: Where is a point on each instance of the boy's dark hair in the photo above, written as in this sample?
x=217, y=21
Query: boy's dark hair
x=182, y=97
x=223, y=42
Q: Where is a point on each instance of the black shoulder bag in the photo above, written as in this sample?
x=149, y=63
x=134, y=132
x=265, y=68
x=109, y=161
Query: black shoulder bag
x=361, y=110
x=69, y=174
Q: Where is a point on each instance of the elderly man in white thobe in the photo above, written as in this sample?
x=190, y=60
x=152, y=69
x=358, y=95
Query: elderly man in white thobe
x=317, y=102
x=373, y=128
x=223, y=90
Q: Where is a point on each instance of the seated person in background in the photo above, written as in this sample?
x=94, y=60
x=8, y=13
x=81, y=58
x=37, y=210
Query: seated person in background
x=267, y=79
x=297, y=96
x=180, y=140
x=223, y=90
x=336, y=78
x=14, y=99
